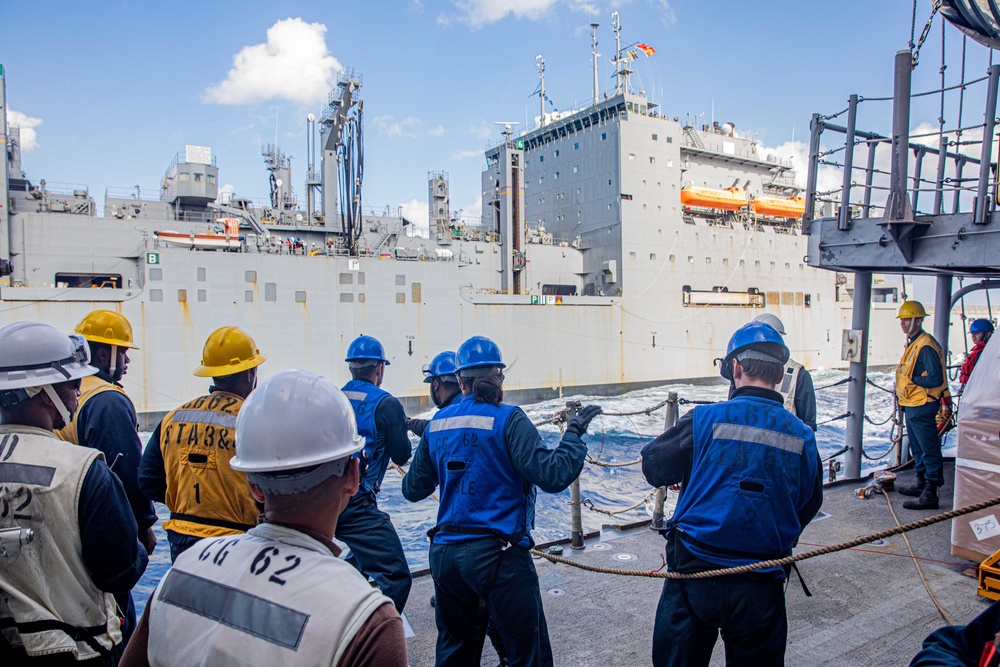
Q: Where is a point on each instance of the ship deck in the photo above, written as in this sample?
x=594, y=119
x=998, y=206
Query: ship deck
x=868, y=605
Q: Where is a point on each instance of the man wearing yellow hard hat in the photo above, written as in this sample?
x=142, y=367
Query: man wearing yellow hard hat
x=105, y=420
x=920, y=383
x=186, y=462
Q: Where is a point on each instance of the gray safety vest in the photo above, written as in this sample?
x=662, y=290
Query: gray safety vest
x=273, y=596
x=788, y=383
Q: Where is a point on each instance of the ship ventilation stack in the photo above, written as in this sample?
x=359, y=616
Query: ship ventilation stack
x=508, y=211
x=191, y=181
x=280, y=167
x=439, y=207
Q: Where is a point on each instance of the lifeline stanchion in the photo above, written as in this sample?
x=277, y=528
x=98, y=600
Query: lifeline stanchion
x=661, y=493
x=576, y=507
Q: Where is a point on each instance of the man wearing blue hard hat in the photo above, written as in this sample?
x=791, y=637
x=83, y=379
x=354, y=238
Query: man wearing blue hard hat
x=367, y=530
x=442, y=376
x=488, y=458
x=981, y=331
x=751, y=480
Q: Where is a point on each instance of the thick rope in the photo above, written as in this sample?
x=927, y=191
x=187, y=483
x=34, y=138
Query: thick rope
x=780, y=562
x=602, y=464
x=909, y=547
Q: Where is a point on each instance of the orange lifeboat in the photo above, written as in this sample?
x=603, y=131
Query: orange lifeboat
x=793, y=207
x=730, y=199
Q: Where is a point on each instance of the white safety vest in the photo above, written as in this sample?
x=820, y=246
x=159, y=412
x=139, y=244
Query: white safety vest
x=788, y=383
x=47, y=593
x=271, y=597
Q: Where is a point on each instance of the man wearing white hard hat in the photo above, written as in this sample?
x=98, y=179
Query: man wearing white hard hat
x=278, y=594
x=796, y=386
x=58, y=604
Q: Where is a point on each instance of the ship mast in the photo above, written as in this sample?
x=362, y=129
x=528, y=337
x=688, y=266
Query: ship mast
x=540, y=63
x=597, y=89
x=622, y=72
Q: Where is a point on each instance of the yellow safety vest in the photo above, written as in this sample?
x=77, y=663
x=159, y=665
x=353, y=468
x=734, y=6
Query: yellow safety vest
x=206, y=497
x=90, y=386
x=909, y=393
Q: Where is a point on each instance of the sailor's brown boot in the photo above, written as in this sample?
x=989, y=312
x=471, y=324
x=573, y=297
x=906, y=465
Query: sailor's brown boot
x=913, y=490
x=928, y=499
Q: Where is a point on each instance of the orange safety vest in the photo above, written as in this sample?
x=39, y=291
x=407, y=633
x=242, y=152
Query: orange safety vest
x=206, y=497
x=909, y=393
x=90, y=386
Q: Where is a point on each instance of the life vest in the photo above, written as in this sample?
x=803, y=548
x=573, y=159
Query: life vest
x=789, y=381
x=753, y=466
x=49, y=603
x=365, y=397
x=481, y=491
x=90, y=386
x=909, y=393
x=206, y=497
x=274, y=596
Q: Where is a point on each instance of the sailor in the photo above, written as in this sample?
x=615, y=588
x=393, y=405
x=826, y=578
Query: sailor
x=375, y=547
x=981, y=331
x=975, y=644
x=105, y=420
x=920, y=384
x=488, y=457
x=751, y=481
x=186, y=461
x=278, y=594
x=440, y=374
x=796, y=386
x=58, y=605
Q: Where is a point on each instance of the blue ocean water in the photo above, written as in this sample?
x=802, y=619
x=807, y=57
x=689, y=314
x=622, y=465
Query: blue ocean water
x=610, y=439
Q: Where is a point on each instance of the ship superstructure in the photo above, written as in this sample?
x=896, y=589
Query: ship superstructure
x=618, y=248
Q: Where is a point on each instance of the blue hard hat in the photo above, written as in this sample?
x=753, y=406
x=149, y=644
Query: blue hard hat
x=478, y=351
x=981, y=326
x=443, y=364
x=365, y=348
x=756, y=340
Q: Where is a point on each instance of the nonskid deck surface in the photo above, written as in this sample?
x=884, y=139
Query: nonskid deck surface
x=866, y=609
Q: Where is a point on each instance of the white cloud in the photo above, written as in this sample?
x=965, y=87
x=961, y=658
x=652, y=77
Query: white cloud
x=481, y=130
x=465, y=154
x=226, y=194
x=29, y=138
x=416, y=212
x=410, y=127
x=477, y=13
x=294, y=64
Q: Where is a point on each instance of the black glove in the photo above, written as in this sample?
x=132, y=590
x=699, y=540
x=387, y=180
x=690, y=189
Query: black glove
x=578, y=424
x=417, y=426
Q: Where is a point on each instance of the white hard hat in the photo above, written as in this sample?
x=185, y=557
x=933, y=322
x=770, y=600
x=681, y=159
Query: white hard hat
x=33, y=354
x=293, y=420
x=768, y=318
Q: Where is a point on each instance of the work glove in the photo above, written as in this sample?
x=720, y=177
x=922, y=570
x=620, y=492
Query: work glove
x=578, y=424
x=944, y=421
x=417, y=426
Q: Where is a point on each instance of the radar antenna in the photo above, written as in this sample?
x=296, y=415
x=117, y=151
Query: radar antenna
x=508, y=132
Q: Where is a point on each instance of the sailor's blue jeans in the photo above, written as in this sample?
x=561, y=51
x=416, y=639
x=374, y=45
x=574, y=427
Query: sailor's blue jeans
x=925, y=443
x=749, y=611
x=477, y=581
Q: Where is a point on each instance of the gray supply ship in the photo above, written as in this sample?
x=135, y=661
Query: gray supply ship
x=618, y=248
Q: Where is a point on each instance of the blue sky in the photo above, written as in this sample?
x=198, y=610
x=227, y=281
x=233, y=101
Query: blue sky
x=120, y=87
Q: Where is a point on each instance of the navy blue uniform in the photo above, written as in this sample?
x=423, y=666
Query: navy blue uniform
x=751, y=481
x=488, y=460
x=375, y=547
x=960, y=644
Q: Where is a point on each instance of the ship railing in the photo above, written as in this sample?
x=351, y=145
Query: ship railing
x=62, y=188
x=136, y=193
x=943, y=170
x=653, y=503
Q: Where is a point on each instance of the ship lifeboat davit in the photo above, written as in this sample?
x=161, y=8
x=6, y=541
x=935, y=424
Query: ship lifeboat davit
x=730, y=199
x=230, y=240
x=792, y=207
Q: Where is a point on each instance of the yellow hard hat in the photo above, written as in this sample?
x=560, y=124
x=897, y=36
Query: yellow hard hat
x=106, y=326
x=911, y=309
x=228, y=351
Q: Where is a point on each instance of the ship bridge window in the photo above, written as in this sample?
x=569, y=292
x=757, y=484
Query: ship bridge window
x=559, y=290
x=183, y=177
x=211, y=179
x=91, y=280
x=197, y=178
